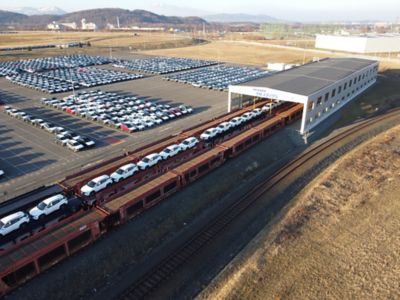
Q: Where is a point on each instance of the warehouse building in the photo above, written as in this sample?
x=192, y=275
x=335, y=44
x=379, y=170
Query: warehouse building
x=323, y=87
x=359, y=43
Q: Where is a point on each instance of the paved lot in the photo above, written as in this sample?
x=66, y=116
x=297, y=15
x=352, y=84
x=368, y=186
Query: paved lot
x=30, y=157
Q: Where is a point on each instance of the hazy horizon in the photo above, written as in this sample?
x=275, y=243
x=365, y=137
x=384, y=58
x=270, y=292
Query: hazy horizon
x=308, y=11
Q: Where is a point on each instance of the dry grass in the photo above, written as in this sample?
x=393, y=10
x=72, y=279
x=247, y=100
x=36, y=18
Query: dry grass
x=101, y=39
x=338, y=240
x=237, y=53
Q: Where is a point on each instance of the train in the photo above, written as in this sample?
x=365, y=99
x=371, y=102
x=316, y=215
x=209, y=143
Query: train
x=115, y=206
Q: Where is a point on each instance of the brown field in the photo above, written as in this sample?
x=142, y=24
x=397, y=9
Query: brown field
x=237, y=53
x=100, y=39
x=338, y=239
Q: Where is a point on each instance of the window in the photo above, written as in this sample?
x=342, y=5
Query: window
x=350, y=83
x=345, y=86
x=319, y=101
x=310, y=120
x=326, y=97
x=339, y=89
x=333, y=93
x=311, y=105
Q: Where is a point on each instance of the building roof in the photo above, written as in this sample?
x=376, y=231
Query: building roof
x=310, y=78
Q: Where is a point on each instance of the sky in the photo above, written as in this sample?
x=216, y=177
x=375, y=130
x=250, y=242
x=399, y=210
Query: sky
x=304, y=10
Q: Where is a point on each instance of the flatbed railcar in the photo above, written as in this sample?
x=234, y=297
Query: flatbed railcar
x=29, y=199
x=75, y=181
x=292, y=114
x=35, y=256
x=141, y=177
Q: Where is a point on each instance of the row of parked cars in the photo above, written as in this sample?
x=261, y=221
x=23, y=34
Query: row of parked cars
x=41, y=83
x=104, y=181
x=55, y=62
x=230, y=125
x=90, y=76
x=21, y=219
x=63, y=80
x=217, y=77
x=69, y=139
x=4, y=71
x=127, y=113
x=163, y=65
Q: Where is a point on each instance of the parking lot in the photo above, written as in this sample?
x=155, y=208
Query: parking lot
x=37, y=160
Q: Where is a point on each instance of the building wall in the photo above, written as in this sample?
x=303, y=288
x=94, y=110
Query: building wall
x=328, y=100
x=358, y=44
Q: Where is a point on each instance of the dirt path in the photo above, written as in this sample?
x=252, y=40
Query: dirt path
x=338, y=240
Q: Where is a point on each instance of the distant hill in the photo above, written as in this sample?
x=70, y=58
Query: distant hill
x=99, y=16
x=235, y=18
x=8, y=17
x=126, y=17
x=30, y=11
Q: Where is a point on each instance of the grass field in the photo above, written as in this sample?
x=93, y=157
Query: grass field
x=338, y=240
x=101, y=39
x=237, y=53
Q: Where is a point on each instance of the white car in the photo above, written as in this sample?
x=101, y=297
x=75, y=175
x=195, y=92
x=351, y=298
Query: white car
x=223, y=127
x=13, y=222
x=248, y=116
x=236, y=121
x=209, y=134
x=269, y=106
x=95, y=185
x=189, y=143
x=170, y=151
x=124, y=172
x=149, y=161
x=257, y=112
x=48, y=206
x=75, y=145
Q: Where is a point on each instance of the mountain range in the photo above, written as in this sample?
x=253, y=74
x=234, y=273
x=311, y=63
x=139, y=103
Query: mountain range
x=99, y=16
x=31, y=11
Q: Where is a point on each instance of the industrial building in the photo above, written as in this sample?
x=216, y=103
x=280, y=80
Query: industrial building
x=322, y=87
x=383, y=43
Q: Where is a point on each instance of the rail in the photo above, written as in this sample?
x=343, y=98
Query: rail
x=142, y=287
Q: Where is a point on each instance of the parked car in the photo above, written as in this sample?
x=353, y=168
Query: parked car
x=189, y=143
x=149, y=161
x=248, y=116
x=224, y=127
x=257, y=112
x=236, y=121
x=75, y=145
x=86, y=142
x=13, y=222
x=63, y=139
x=170, y=151
x=48, y=206
x=124, y=172
x=209, y=134
x=95, y=185
x=49, y=127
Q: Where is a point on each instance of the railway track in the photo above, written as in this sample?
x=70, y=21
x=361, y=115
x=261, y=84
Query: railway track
x=154, y=277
